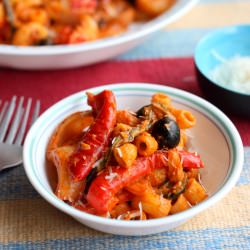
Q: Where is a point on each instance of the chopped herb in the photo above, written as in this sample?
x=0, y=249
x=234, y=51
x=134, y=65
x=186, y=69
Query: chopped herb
x=10, y=13
x=172, y=191
x=91, y=176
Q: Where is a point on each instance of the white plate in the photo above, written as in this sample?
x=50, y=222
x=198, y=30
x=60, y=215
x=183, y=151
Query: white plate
x=215, y=138
x=67, y=56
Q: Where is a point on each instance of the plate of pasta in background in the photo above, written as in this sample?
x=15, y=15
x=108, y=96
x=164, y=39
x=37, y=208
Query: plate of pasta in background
x=42, y=34
x=133, y=159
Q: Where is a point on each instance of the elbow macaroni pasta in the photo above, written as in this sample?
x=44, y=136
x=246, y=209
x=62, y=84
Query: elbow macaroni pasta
x=146, y=144
x=126, y=154
x=184, y=118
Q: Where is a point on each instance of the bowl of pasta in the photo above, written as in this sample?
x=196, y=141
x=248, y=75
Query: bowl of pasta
x=42, y=34
x=133, y=159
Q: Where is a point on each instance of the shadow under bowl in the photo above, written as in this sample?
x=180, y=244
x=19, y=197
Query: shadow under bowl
x=223, y=43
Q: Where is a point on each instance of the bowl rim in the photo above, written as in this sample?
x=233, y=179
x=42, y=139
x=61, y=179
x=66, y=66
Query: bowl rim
x=222, y=120
x=177, y=10
x=219, y=31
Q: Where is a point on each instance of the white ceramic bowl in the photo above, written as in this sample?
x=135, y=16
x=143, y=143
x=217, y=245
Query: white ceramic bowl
x=66, y=56
x=214, y=137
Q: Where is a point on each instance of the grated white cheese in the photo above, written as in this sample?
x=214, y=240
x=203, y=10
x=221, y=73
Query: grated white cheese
x=165, y=158
x=119, y=152
x=140, y=209
x=162, y=199
x=119, y=217
x=111, y=175
x=181, y=160
x=103, y=188
x=189, y=143
x=189, y=134
x=233, y=73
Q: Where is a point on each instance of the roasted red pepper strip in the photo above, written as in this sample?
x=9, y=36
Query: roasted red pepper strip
x=94, y=141
x=103, y=189
x=190, y=160
x=85, y=208
x=86, y=5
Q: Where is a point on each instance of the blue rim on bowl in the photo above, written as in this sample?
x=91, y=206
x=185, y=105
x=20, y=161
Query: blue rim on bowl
x=31, y=148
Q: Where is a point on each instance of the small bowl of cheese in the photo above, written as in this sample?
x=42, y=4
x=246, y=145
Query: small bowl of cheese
x=222, y=62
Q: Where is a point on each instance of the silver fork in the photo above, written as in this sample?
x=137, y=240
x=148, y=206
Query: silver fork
x=13, y=125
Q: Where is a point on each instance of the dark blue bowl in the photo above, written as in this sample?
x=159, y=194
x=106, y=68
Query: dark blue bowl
x=226, y=42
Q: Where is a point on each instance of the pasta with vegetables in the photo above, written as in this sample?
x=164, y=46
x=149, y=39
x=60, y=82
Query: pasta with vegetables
x=55, y=22
x=125, y=165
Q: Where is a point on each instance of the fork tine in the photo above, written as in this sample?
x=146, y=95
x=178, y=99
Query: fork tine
x=3, y=110
x=7, y=118
x=36, y=111
x=16, y=122
x=21, y=132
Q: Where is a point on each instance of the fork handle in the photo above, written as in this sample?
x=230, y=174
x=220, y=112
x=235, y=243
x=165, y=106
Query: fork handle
x=10, y=155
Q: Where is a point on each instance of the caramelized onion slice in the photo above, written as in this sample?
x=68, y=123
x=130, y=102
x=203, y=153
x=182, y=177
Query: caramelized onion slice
x=69, y=131
x=67, y=189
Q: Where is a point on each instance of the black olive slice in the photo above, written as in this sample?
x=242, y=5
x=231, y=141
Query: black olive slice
x=166, y=132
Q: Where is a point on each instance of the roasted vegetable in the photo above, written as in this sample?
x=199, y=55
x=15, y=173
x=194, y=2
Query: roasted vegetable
x=190, y=160
x=92, y=146
x=103, y=190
